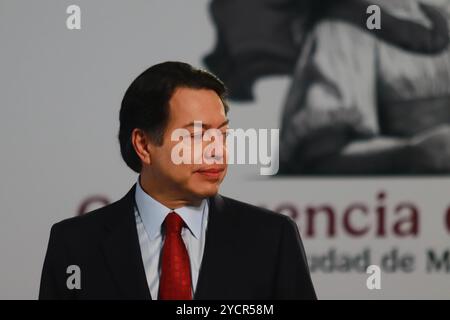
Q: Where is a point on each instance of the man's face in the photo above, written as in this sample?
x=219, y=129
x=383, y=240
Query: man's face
x=192, y=180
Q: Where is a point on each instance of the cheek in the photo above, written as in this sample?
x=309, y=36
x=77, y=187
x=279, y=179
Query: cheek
x=166, y=164
x=225, y=155
x=178, y=171
x=197, y=148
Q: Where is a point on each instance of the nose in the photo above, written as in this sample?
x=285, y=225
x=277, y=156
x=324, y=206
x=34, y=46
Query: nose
x=215, y=148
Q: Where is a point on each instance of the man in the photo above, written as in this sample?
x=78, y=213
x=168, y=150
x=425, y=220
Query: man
x=173, y=236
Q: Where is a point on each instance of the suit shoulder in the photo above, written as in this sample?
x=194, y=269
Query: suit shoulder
x=253, y=213
x=90, y=220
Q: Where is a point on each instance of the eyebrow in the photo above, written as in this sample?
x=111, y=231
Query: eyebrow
x=207, y=126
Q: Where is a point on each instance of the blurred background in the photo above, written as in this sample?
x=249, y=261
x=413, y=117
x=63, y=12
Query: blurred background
x=364, y=116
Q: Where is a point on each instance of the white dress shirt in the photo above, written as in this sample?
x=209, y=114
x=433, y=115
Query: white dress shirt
x=150, y=215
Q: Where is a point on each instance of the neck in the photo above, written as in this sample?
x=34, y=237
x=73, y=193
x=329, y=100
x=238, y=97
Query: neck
x=166, y=195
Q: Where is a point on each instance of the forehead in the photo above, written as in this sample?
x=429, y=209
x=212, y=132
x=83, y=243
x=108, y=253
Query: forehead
x=187, y=105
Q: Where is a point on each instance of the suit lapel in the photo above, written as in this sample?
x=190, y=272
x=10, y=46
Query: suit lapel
x=218, y=248
x=123, y=254
x=122, y=250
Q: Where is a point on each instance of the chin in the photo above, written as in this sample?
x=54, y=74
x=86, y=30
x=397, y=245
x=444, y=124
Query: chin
x=206, y=191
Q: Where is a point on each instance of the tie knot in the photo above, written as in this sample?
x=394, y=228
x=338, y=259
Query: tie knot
x=173, y=223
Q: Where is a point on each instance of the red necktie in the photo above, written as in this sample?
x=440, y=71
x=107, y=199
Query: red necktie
x=175, y=280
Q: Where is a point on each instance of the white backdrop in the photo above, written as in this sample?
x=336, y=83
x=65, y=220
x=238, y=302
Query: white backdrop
x=60, y=94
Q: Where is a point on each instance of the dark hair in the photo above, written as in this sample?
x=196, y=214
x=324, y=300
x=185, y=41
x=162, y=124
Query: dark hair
x=146, y=101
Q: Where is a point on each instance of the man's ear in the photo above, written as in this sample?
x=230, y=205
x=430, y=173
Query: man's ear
x=141, y=144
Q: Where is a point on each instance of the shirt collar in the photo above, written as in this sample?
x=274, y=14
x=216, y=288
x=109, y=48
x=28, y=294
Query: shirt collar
x=153, y=214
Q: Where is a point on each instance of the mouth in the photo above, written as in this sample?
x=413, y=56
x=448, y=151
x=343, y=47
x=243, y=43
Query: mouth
x=211, y=172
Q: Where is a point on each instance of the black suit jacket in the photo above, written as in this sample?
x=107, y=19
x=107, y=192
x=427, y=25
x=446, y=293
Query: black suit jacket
x=250, y=253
